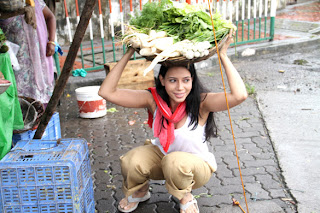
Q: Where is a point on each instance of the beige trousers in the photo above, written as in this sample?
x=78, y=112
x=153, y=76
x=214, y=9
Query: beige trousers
x=181, y=171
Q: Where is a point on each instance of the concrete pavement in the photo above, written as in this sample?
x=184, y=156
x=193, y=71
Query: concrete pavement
x=270, y=181
x=288, y=99
x=293, y=124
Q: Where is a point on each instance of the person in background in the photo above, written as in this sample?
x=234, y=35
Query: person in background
x=35, y=79
x=51, y=4
x=181, y=115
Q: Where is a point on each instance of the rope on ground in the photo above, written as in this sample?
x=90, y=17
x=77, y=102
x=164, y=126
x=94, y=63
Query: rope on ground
x=236, y=203
x=225, y=93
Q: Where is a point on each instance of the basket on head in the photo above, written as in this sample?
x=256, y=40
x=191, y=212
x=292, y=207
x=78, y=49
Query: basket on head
x=11, y=5
x=183, y=61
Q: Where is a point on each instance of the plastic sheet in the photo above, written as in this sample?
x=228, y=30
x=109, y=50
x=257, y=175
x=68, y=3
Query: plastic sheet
x=10, y=111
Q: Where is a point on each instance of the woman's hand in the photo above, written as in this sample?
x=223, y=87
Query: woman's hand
x=229, y=41
x=50, y=49
x=51, y=28
x=216, y=102
x=130, y=51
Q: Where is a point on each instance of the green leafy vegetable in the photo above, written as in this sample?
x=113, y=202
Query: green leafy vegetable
x=181, y=21
x=151, y=17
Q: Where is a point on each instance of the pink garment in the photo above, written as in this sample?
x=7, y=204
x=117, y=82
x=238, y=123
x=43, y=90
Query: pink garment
x=165, y=132
x=42, y=78
x=35, y=79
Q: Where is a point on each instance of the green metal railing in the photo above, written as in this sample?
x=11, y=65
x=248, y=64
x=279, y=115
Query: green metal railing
x=250, y=29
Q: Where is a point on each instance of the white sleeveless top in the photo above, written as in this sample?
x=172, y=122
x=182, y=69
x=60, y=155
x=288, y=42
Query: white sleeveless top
x=191, y=141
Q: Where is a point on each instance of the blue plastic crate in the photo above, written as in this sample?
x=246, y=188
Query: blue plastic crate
x=43, y=176
x=52, y=131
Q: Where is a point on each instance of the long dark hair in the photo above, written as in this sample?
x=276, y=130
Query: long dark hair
x=193, y=100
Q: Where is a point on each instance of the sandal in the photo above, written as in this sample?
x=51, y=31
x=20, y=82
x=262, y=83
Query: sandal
x=136, y=200
x=184, y=207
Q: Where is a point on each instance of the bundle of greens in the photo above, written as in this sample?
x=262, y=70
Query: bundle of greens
x=167, y=29
x=181, y=21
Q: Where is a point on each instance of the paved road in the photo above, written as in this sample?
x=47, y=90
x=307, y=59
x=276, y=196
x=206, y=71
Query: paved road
x=293, y=124
x=288, y=94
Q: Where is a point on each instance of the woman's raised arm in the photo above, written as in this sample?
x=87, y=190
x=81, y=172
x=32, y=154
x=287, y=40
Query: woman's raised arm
x=216, y=101
x=123, y=97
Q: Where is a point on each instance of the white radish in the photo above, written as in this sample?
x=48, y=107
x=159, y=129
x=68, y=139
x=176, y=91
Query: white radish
x=142, y=36
x=189, y=54
x=154, y=35
x=162, y=43
x=160, y=57
x=174, y=54
x=194, y=48
x=161, y=34
x=143, y=40
x=147, y=51
x=206, y=52
x=154, y=50
x=135, y=42
x=196, y=54
x=206, y=44
x=144, y=43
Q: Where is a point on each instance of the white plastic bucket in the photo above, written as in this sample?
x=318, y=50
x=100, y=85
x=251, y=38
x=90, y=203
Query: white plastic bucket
x=91, y=105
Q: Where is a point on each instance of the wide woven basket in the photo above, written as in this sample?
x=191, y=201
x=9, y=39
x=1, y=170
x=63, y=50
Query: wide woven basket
x=11, y=5
x=183, y=61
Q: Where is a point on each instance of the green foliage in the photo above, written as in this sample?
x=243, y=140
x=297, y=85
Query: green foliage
x=181, y=21
x=151, y=16
x=210, y=74
x=251, y=90
x=202, y=194
x=300, y=62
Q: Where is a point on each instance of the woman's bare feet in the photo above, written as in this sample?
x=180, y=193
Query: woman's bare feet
x=125, y=205
x=192, y=208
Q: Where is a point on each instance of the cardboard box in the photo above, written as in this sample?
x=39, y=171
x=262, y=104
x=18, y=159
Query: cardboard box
x=132, y=76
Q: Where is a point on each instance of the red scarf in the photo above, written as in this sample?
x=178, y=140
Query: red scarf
x=165, y=133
